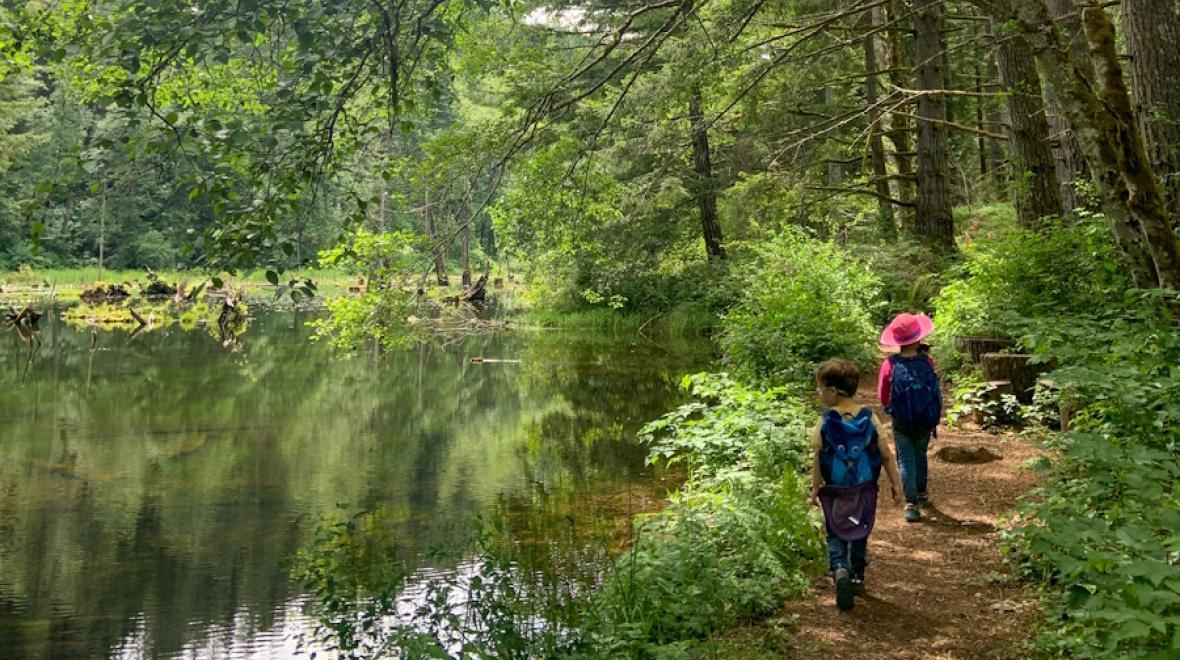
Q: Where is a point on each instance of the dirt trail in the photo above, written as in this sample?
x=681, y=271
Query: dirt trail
x=928, y=592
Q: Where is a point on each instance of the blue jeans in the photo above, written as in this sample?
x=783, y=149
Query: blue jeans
x=911, y=460
x=852, y=555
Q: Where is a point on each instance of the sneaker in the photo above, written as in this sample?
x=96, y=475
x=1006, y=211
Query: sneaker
x=924, y=500
x=843, y=589
x=911, y=513
x=858, y=586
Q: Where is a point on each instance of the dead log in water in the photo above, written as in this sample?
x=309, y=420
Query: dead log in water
x=476, y=292
x=101, y=294
x=157, y=288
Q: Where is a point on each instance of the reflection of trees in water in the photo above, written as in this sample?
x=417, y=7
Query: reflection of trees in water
x=176, y=485
x=26, y=325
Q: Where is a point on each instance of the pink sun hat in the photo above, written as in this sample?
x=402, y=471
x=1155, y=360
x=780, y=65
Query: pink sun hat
x=906, y=329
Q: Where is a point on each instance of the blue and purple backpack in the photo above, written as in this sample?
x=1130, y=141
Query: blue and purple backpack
x=850, y=461
x=848, y=454
x=915, y=396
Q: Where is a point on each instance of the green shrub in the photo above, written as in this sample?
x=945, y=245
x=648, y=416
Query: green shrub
x=803, y=301
x=1102, y=534
x=731, y=429
x=1022, y=275
x=712, y=559
x=738, y=539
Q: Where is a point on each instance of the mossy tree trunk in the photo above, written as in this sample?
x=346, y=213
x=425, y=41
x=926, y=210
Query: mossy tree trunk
x=1108, y=133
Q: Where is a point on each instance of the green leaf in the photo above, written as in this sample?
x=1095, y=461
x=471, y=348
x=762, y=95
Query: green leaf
x=272, y=277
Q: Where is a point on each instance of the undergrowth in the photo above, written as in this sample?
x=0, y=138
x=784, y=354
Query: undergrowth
x=1098, y=537
x=1101, y=536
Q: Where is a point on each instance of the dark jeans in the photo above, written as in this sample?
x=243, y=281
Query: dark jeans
x=911, y=460
x=852, y=555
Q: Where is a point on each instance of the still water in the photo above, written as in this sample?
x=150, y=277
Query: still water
x=153, y=488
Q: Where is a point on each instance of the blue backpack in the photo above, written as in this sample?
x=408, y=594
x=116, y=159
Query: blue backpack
x=915, y=396
x=848, y=454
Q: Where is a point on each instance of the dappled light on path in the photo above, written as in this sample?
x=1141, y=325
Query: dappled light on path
x=933, y=588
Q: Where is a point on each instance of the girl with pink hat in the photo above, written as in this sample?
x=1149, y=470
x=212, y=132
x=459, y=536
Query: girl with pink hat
x=910, y=390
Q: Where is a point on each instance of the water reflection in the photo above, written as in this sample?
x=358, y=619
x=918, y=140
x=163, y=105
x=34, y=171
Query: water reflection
x=151, y=491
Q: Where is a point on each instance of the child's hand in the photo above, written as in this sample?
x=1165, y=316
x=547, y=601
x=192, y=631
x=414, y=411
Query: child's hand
x=894, y=492
x=815, y=495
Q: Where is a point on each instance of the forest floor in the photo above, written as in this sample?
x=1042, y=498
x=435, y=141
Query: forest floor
x=934, y=589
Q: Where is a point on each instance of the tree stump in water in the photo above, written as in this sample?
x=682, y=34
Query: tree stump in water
x=99, y=294
x=157, y=288
x=476, y=292
x=1016, y=369
x=975, y=347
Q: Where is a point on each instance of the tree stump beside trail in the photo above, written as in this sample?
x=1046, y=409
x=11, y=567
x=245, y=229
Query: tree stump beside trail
x=1068, y=402
x=1016, y=369
x=994, y=392
x=976, y=347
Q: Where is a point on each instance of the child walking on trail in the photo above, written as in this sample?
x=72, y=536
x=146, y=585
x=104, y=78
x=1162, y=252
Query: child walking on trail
x=849, y=455
x=910, y=390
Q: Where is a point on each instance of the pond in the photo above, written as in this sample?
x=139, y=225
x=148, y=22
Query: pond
x=153, y=488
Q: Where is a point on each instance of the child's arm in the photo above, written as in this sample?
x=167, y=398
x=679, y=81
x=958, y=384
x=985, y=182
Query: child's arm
x=817, y=480
x=888, y=459
x=884, y=382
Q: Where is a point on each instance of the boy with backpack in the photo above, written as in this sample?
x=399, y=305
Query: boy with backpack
x=849, y=455
x=912, y=395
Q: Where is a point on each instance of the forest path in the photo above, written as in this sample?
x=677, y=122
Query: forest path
x=928, y=592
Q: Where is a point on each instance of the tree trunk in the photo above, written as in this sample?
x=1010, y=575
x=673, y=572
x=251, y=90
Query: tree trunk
x=1037, y=193
x=467, y=254
x=979, y=123
x=900, y=133
x=835, y=173
x=1146, y=200
x=706, y=190
x=1153, y=45
x=1107, y=133
x=440, y=266
x=995, y=118
x=102, y=230
x=876, y=144
x=1071, y=163
x=934, y=221
x=975, y=347
x=1015, y=368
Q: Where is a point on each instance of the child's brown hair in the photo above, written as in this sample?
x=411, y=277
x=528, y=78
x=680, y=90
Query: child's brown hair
x=839, y=374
